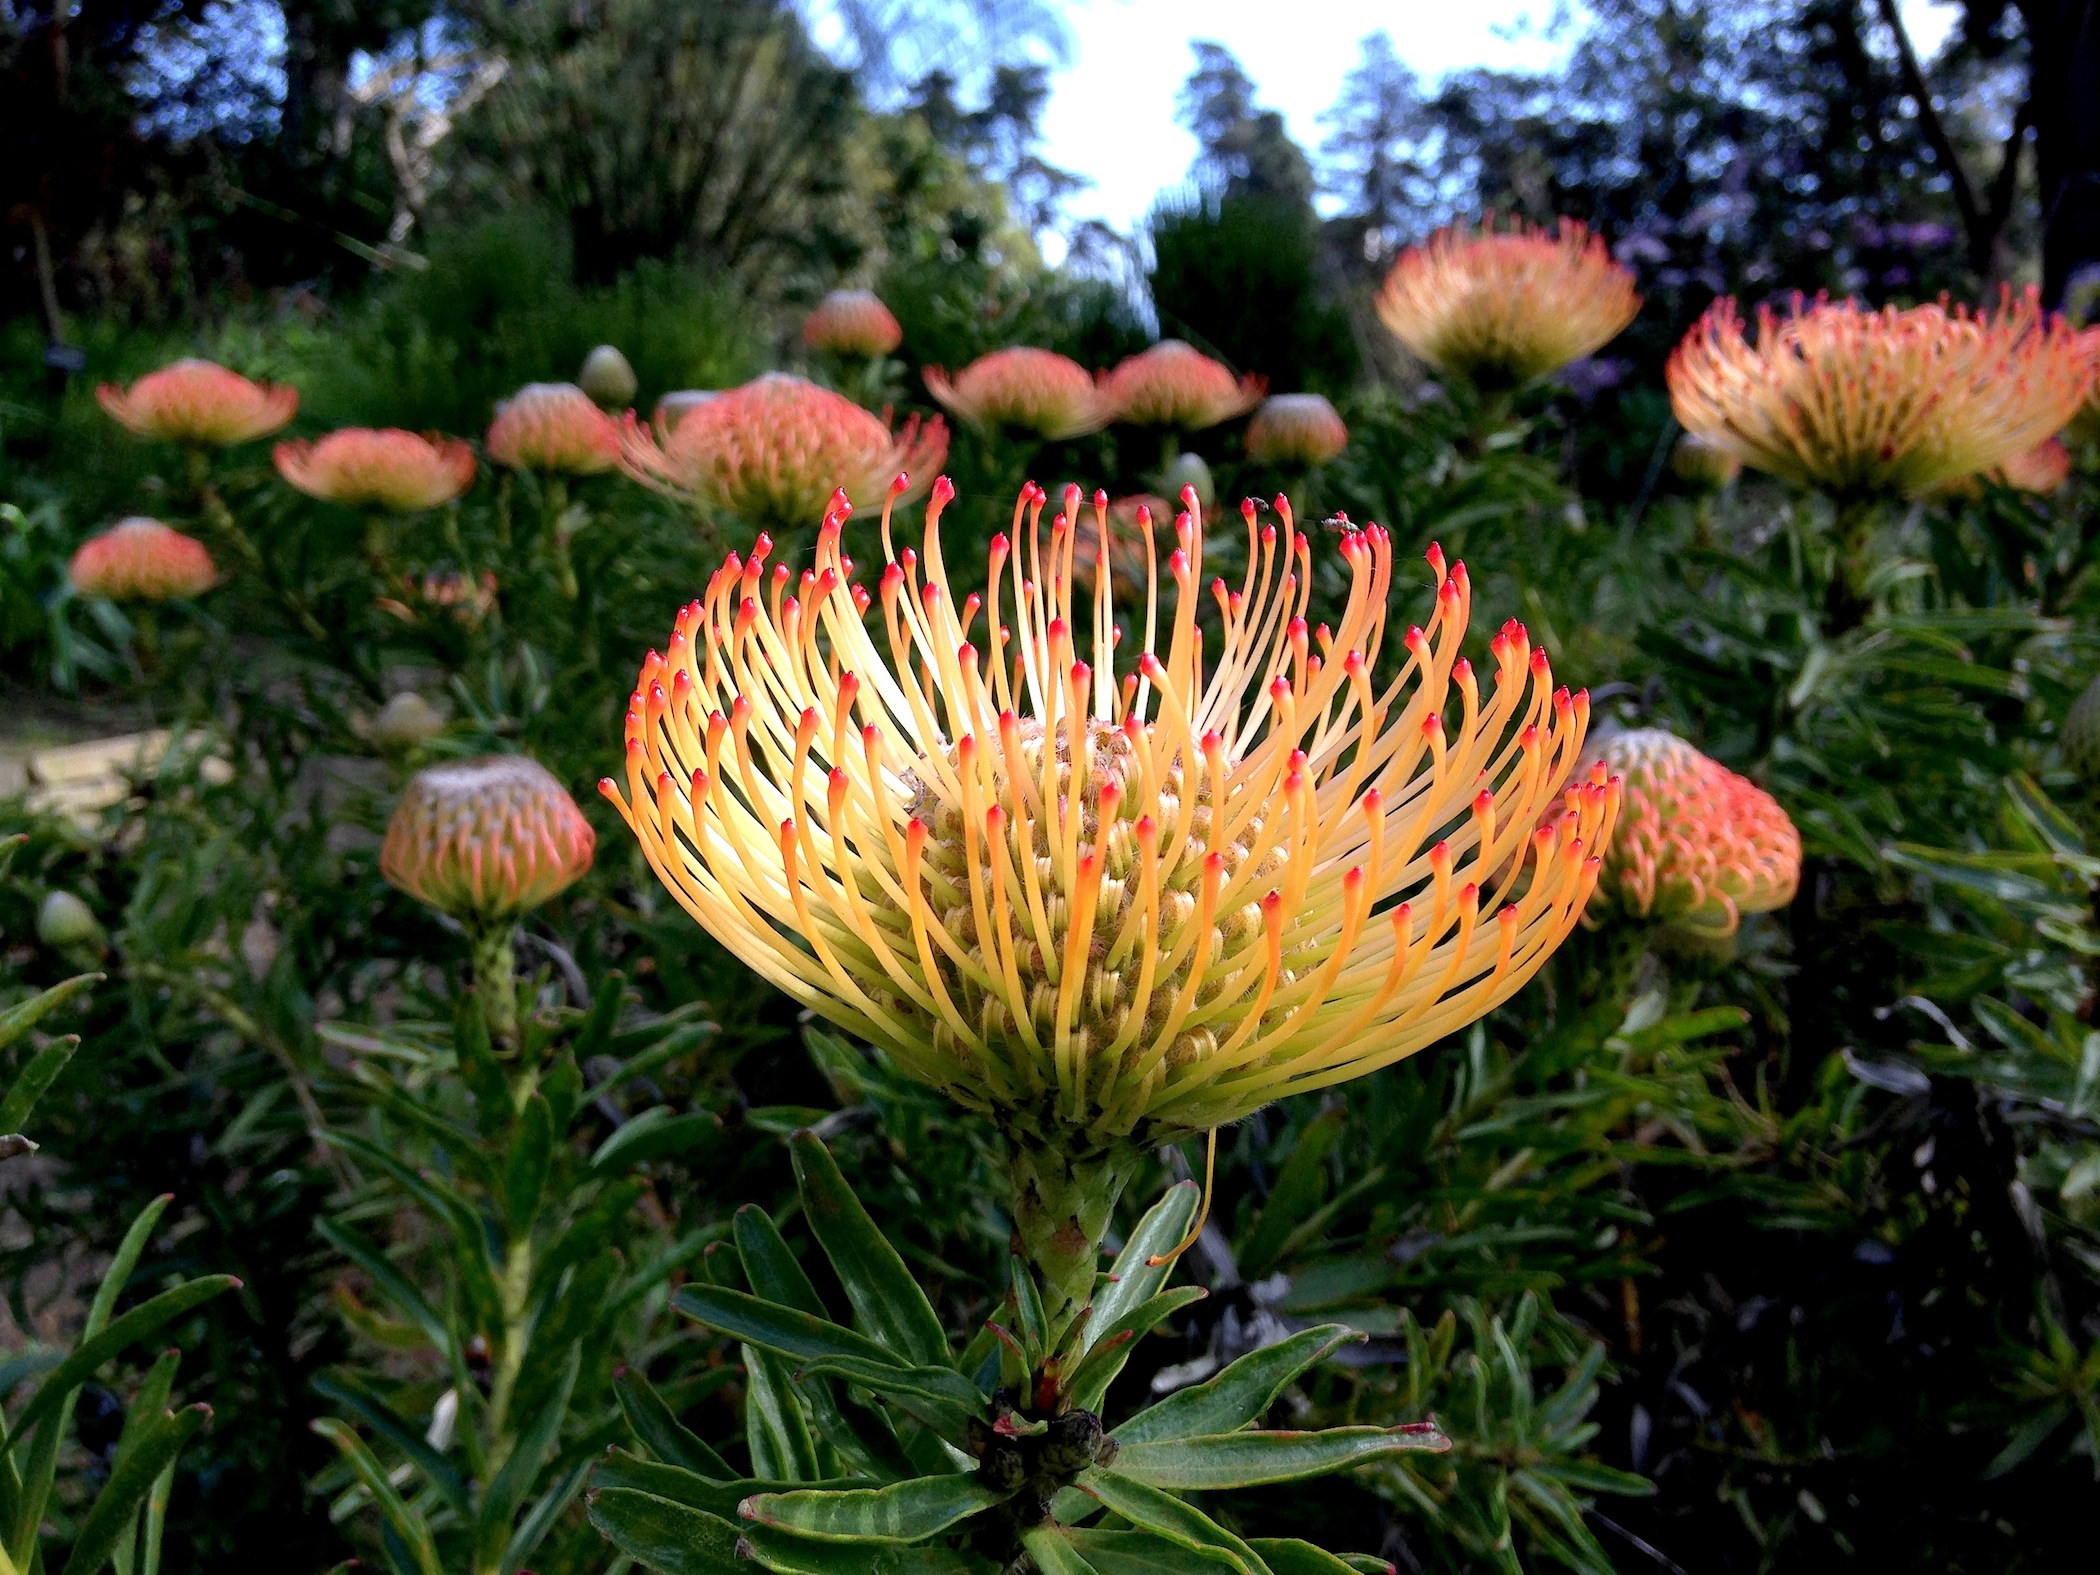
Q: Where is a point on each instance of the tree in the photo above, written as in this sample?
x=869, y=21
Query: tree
x=1372, y=159
x=1246, y=152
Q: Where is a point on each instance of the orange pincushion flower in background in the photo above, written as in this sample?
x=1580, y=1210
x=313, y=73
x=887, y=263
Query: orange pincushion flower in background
x=1507, y=306
x=378, y=467
x=1134, y=553
x=1176, y=385
x=1039, y=391
x=2041, y=469
x=1697, y=845
x=1296, y=429
x=1888, y=403
x=554, y=427
x=486, y=839
x=852, y=322
x=772, y=451
x=201, y=402
x=1112, y=909
x=139, y=559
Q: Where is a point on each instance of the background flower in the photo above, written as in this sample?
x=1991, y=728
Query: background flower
x=1038, y=391
x=378, y=467
x=140, y=559
x=554, y=427
x=1174, y=385
x=200, y=402
x=852, y=323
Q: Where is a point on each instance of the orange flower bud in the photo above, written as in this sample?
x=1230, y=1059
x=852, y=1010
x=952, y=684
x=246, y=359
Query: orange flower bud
x=487, y=838
x=142, y=560
x=378, y=467
x=199, y=402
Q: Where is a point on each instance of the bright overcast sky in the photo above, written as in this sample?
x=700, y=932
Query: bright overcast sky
x=1111, y=115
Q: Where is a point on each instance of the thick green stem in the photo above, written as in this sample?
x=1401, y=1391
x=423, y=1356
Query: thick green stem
x=554, y=506
x=496, y=983
x=1846, y=603
x=1063, y=1205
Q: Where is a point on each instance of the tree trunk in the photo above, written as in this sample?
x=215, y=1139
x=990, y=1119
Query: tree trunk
x=2063, y=39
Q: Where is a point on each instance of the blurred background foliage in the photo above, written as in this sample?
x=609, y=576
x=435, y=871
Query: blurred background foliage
x=1789, y=1260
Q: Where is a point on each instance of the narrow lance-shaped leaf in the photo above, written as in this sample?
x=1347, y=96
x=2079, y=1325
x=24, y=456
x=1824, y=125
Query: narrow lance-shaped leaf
x=775, y=1428
x=671, y=1537
x=1134, y=1280
x=1252, y=1459
x=938, y=1396
x=905, y=1512
x=134, y=1326
x=350, y=1392
x=1289, y=1556
x=1108, y=1351
x=1162, y=1514
x=18, y=1019
x=1142, y=1553
x=1240, y=1394
x=407, y=1524
x=886, y=1298
x=772, y=1327
x=668, y=1439
x=129, y=1483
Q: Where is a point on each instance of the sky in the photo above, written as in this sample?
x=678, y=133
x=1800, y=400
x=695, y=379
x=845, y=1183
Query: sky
x=1111, y=111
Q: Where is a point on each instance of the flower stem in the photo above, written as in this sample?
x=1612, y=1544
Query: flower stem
x=1846, y=602
x=1063, y=1205
x=496, y=982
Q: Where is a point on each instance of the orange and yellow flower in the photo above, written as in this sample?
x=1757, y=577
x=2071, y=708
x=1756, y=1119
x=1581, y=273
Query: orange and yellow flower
x=554, y=427
x=772, y=451
x=1296, y=429
x=1697, y=845
x=140, y=559
x=2042, y=469
x=1507, y=306
x=1037, y=391
x=1176, y=385
x=1888, y=403
x=486, y=839
x=1112, y=908
x=199, y=402
x=378, y=467
x=852, y=322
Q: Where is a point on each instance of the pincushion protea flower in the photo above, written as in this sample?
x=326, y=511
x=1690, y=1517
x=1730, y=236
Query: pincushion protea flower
x=852, y=322
x=1890, y=403
x=554, y=427
x=1110, y=912
x=2041, y=469
x=199, y=402
x=772, y=451
x=1697, y=845
x=378, y=467
x=142, y=560
x=1177, y=386
x=1038, y=391
x=1296, y=429
x=1507, y=306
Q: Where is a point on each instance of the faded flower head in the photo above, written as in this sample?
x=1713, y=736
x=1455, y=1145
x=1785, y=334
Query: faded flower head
x=772, y=451
x=1038, y=391
x=199, y=402
x=1176, y=385
x=142, y=560
x=554, y=427
x=1112, y=908
x=487, y=838
x=852, y=322
x=1296, y=429
x=1507, y=306
x=378, y=467
x=1891, y=403
x=1697, y=845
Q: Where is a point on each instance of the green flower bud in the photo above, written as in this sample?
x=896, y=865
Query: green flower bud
x=65, y=922
x=607, y=377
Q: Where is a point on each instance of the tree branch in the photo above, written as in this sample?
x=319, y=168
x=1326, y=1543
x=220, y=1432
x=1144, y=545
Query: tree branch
x=1972, y=217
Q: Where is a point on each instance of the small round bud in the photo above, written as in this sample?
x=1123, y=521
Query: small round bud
x=405, y=721
x=1189, y=470
x=65, y=922
x=487, y=838
x=608, y=377
x=1701, y=462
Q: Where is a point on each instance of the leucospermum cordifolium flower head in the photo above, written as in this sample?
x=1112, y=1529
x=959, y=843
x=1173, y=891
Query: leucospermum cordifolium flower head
x=140, y=559
x=1506, y=306
x=1176, y=385
x=1697, y=845
x=378, y=468
x=1890, y=403
x=1034, y=390
x=200, y=403
x=554, y=427
x=772, y=451
x=1296, y=429
x=1111, y=910
x=2041, y=469
x=486, y=839
x=853, y=323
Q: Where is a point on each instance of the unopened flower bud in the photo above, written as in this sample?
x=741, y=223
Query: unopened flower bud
x=484, y=839
x=405, y=721
x=608, y=377
x=65, y=922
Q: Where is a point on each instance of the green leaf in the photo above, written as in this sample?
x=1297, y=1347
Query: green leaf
x=407, y=1524
x=938, y=1396
x=1247, y=1459
x=541, y=1518
x=773, y=1327
x=598, y=1024
x=351, y=1393
x=904, y=1512
x=774, y=1426
x=770, y=1264
x=1132, y=1279
x=657, y=1131
x=392, y=1283
x=1289, y=1556
x=1300, y=1186
x=142, y=1321
x=664, y=1535
x=503, y=1495
x=525, y=1168
x=129, y=1482
x=18, y=1019
x=1030, y=1323
x=668, y=1438
x=786, y=1554
x=624, y=1470
x=126, y=1259
x=1241, y=1393
x=1164, y=1515
x=1110, y=1349
x=1142, y=1553
x=32, y=1081
x=887, y=1300
x=1053, y=1552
